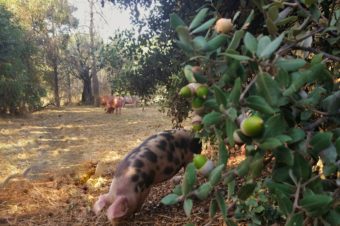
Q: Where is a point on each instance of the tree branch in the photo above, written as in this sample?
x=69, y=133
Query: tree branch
x=287, y=47
x=313, y=50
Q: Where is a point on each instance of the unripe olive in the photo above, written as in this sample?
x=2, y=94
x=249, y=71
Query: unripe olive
x=252, y=126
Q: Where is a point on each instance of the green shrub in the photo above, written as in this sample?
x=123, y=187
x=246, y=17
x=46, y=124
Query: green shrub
x=286, y=74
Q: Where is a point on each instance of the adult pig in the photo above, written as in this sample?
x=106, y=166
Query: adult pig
x=157, y=159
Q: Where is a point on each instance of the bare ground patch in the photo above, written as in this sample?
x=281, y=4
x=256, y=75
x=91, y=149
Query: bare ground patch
x=61, y=149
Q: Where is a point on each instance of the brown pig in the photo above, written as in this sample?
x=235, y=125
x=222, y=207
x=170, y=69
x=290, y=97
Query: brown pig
x=157, y=159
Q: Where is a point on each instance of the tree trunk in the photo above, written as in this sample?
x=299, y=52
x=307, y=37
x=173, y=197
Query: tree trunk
x=94, y=76
x=56, y=85
x=87, y=97
x=69, y=88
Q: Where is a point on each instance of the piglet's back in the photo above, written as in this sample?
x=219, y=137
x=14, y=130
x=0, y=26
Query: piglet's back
x=158, y=158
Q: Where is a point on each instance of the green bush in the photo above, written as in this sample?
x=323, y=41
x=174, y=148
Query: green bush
x=19, y=85
x=285, y=70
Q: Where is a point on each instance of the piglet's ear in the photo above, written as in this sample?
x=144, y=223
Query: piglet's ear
x=118, y=209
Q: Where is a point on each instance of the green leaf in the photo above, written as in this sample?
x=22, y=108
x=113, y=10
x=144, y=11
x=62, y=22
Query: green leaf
x=212, y=118
x=230, y=128
x=256, y=166
x=186, y=48
x=187, y=206
x=337, y=146
x=177, y=189
x=283, y=78
x=237, y=57
x=213, y=208
x=204, y=190
x=275, y=125
x=329, y=154
x=333, y=217
x=248, y=20
x=250, y=42
x=297, y=134
x=220, y=96
x=286, y=20
x=332, y=103
x=270, y=144
x=280, y=174
x=271, y=27
x=246, y=191
x=223, y=153
x=189, y=75
x=321, y=141
x=204, y=26
x=271, y=47
x=235, y=42
x=290, y=64
x=243, y=167
x=184, y=36
x=299, y=80
x=273, y=12
x=263, y=42
x=302, y=169
x=231, y=113
x=316, y=204
x=258, y=103
x=283, y=138
x=176, y=21
x=295, y=220
x=221, y=204
x=200, y=44
x=189, y=179
x=198, y=18
x=231, y=188
x=217, y=42
x=211, y=104
x=285, y=205
x=280, y=188
x=170, y=199
x=215, y=175
x=235, y=93
x=284, y=155
x=268, y=88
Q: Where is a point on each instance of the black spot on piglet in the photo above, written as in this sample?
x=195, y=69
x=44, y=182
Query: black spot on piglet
x=196, y=146
x=168, y=170
x=138, y=163
x=162, y=145
x=148, y=178
x=168, y=136
x=151, y=156
x=134, y=178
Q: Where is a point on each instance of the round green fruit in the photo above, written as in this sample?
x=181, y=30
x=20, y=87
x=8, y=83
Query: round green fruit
x=202, y=91
x=252, y=126
x=197, y=102
x=199, y=161
x=185, y=92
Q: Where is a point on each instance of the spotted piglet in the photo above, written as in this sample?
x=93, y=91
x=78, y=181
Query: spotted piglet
x=157, y=159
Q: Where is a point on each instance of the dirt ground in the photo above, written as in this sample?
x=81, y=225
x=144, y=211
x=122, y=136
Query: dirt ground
x=49, y=159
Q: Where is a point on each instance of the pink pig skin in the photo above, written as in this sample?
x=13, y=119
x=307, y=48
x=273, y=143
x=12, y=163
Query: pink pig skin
x=157, y=159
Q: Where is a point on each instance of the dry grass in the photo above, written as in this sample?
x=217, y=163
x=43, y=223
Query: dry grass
x=62, y=148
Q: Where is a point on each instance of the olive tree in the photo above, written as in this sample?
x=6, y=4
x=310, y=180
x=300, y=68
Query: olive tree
x=272, y=87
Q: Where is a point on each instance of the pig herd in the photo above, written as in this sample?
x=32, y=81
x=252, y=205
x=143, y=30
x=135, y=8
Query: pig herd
x=157, y=159
x=113, y=104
